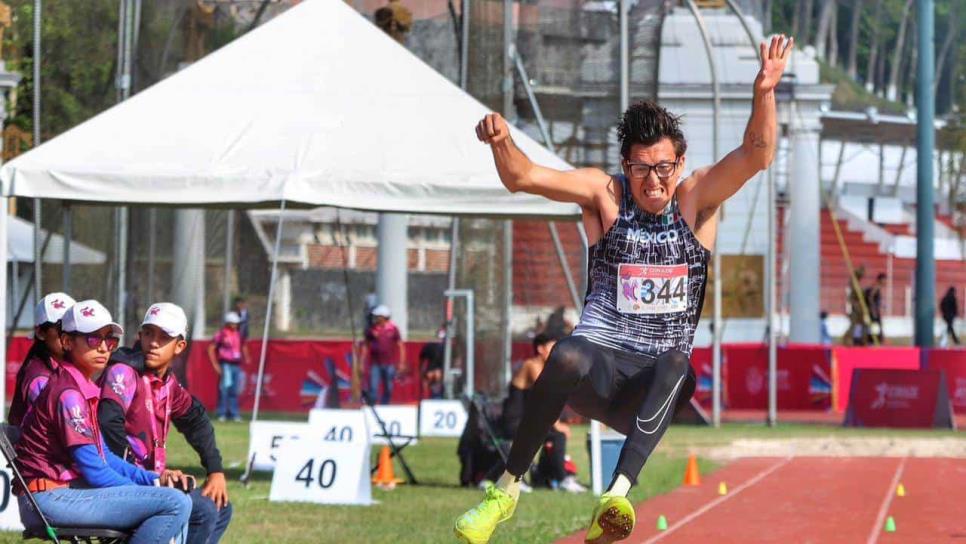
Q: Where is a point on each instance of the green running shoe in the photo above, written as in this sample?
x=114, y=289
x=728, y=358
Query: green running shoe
x=476, y=525
x=613, y=520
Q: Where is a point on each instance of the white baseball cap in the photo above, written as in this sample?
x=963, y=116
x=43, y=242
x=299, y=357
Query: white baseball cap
x=88, y=316
x=232, y=317
x=51, y=308
x=168, y=317
x=382, y=310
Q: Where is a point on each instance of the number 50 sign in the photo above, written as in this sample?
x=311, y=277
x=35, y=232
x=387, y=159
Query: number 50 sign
x=325, y=472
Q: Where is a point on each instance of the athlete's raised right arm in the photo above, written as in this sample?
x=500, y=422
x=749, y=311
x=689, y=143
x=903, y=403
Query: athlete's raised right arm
x=583, y=186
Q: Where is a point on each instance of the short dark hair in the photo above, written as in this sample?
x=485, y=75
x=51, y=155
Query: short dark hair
x=238, y=299
x=881, y=276
x=543, y=339
x=647, y=123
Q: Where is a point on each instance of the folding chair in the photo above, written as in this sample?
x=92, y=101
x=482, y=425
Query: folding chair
x=78, y=535
x=395, y=447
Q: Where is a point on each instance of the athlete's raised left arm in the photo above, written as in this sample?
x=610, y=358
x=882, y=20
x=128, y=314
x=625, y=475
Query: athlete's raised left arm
x=712, y=185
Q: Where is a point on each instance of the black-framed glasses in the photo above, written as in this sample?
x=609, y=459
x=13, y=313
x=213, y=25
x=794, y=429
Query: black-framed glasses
x=94, y=340
x=663, y=169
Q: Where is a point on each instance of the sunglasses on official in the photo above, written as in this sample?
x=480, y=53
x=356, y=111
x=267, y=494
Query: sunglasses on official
x=94, y=340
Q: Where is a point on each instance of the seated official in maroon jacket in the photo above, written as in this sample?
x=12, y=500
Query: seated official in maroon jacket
x=141, y=398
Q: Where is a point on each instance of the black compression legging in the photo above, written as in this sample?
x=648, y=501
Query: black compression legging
x=635, y=394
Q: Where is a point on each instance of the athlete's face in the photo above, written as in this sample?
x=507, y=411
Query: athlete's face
x=159, y=348
x=653, y=171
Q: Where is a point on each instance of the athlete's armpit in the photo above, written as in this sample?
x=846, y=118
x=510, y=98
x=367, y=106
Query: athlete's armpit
x=703, y=216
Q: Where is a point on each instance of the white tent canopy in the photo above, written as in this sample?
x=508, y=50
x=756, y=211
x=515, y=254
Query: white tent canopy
x=318, y=107
x=20, y=246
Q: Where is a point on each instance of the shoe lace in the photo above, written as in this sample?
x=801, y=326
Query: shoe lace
x=491, y=499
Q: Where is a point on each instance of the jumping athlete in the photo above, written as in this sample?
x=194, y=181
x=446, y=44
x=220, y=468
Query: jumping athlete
x=627, y=362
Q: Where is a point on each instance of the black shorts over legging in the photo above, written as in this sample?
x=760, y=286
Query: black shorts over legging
x=633, y=393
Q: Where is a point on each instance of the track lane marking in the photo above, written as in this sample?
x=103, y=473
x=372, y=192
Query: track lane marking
x=700, y=511
x=886, y=503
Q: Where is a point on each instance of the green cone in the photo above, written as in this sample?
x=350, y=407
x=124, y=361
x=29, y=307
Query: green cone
x=890, y=525
x=662, y=523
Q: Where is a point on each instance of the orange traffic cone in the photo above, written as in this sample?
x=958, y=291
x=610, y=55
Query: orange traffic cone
x=385, y=477
x=691, y=474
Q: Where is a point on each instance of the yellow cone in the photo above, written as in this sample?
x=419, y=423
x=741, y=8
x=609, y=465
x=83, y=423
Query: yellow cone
x=901, y=491
x=722, y=489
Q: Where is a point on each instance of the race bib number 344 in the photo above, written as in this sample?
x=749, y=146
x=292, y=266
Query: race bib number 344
x=652, y=289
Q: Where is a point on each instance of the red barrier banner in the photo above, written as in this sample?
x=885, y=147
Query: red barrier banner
x=747, y=377
x=953, y=363
x=16, y=351
x=802, y=379
x=701, y=363
x=297, y=373
x=847, y=359
x=898, y=398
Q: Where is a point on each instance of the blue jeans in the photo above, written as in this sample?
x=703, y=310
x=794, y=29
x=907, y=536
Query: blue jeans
x=232, y=383
x=152, y=515
x=384, y=374
x=207, y=522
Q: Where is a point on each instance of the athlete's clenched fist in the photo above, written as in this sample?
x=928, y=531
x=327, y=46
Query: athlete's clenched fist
x=492, y=129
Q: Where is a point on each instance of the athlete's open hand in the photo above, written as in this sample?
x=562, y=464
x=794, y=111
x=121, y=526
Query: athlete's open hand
x=492, y=129
x=774, y=57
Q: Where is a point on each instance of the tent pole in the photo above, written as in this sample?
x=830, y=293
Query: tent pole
x=448, y=309
x=455, y=227
x=4, y=295
x=507, y=224
x=268, y=311
x=507, y=299
x=14, y=292
x=122, y=216
x=65, y=258
x=152, y=249
x=229, y=261
x=38, y=260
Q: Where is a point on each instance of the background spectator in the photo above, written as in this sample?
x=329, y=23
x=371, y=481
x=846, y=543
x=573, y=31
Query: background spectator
x=384, y=353
x=227, y=353
x=949, y=308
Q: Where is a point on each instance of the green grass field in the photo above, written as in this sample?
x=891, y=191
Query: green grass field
x=425, y=513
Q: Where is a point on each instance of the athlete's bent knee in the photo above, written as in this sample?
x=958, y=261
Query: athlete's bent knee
x=568, y=362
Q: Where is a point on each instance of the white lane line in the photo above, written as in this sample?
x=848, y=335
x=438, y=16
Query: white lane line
x=690, y=517
x=886, y=502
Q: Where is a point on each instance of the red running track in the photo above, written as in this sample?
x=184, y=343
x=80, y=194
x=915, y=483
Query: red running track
x=812, y=500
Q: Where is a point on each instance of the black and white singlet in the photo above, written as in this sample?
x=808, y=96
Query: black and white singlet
x=647, y=277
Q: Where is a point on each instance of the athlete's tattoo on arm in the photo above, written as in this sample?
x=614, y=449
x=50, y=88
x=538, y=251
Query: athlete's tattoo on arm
x=757, y=140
